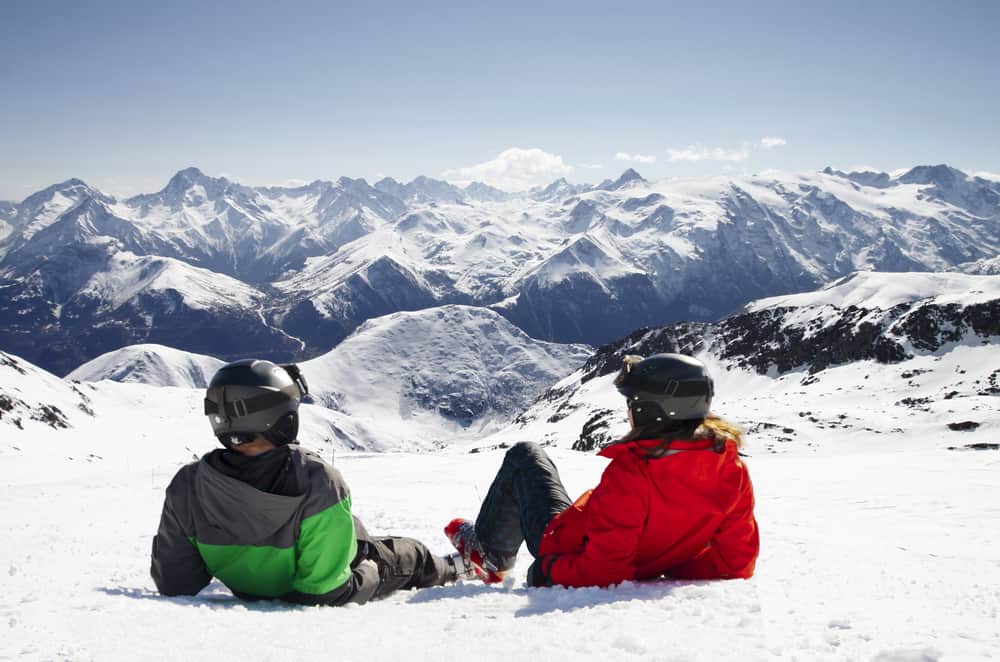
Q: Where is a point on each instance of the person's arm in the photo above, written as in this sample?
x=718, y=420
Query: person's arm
x=615, y=517
x=732, y=551
x=325, y=549
x=177, y=567
x=359, y=589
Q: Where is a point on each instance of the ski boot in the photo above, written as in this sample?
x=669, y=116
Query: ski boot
x=472, y=561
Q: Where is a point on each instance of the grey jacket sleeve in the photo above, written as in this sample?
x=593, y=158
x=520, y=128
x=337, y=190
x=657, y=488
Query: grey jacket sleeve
x=177, y=567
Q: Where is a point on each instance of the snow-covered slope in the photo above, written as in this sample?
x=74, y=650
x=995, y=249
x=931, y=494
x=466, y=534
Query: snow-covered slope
x=885, y=291
x=42, y=209
x=878, y=542
x=404, y=381
x=110, y=424
x=436, y=374
x=566, y=263
x=31, y=398
x=155, y=365
x=873, y=356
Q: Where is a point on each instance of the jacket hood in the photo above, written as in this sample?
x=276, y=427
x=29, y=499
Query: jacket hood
x=640, y=446
x=239, y=509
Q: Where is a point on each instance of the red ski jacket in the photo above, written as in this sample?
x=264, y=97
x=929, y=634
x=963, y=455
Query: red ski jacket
x=688, y=514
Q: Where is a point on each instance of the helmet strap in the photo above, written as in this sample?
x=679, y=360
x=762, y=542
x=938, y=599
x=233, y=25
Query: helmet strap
x=284, y=431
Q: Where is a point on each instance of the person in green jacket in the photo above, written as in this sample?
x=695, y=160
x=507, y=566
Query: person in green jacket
x=271, y=520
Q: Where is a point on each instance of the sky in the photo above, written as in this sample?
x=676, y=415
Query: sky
x=124, y=94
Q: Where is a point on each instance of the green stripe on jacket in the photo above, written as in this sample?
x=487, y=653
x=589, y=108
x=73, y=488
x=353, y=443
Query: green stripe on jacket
x=319, y=562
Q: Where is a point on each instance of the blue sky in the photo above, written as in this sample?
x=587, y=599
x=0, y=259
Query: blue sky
x=124, y=94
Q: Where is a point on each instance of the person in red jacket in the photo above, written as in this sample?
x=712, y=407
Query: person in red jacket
x=675, y=501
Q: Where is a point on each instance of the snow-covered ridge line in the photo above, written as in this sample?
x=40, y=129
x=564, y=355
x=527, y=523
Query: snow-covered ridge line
x=887, y=290
x=886, y=317
x=154, y=365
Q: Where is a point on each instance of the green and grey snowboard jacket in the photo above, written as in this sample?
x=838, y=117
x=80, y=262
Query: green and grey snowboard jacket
x=262, y=545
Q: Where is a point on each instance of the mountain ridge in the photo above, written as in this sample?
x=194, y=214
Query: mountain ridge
x=327, y=256
x=926, y=344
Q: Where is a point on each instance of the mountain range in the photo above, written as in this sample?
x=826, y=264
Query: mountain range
x=873, y=356
x=211, y=266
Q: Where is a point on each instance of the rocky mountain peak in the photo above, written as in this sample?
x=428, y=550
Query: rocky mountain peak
x=942, y=176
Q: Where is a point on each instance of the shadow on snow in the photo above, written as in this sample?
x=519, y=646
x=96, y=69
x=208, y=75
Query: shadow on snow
x=546, y=600
x=539, y=601
x=215, y=596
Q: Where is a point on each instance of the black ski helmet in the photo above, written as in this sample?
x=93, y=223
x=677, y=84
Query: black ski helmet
x=251, y=397
x=665, y=387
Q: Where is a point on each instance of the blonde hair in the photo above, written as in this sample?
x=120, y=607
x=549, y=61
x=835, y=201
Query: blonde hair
x=719, y=429
x=711, y=427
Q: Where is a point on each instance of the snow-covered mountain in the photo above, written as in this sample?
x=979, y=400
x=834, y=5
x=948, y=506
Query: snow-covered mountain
x=566, y=263
x=455, y=365
x=872, y=355
x=92, y=297
x=406, y=380
x=155, y=365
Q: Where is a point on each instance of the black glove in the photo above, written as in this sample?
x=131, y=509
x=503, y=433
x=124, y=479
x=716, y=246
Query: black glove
x=540, y=572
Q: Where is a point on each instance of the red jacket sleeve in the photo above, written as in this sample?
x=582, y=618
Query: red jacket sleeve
x=615, y=514
x=732, y=551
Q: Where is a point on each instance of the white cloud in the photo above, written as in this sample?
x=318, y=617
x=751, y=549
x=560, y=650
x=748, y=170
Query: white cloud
x=699, y=152
x=863, y=167
x=591, y=166
x=702, y=153
x=983, y=174
x=638, y=158
x=514, y=169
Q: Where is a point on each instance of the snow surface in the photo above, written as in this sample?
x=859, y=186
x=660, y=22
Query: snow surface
x=880, y=547
x=886, y=290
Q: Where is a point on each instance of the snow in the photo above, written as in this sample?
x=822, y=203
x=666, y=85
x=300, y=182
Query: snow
x=151, y=364
x=879, y=525
x=878, y=549
x=60, y=202
x=129, y=275
x=416, y=379
x=586, y=257
x=886, y=290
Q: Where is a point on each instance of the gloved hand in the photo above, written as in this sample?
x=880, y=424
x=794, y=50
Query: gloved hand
x=540, y=572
